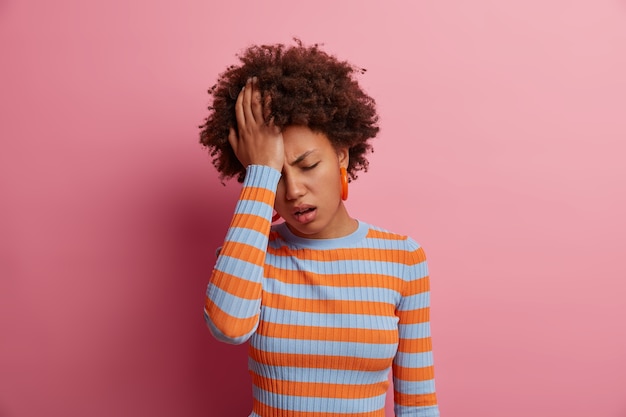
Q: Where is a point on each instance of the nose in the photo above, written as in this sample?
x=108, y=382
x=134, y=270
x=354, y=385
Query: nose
x=294, y=188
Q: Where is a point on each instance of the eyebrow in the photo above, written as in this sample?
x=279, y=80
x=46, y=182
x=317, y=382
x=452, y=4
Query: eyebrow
x=302, y=157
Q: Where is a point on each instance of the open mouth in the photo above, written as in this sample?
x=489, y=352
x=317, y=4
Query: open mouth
x=304, y=211
x=305, y=214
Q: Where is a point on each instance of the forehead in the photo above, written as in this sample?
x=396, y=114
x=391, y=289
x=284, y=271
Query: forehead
x=300, y=139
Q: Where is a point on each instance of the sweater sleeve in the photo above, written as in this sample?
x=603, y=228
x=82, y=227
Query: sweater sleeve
x=413, y=374
x=233, y=297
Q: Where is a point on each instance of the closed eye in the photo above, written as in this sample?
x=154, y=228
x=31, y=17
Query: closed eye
x=309, y=167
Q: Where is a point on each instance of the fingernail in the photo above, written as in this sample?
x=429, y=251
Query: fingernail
x=255, y=79
x=249, y=80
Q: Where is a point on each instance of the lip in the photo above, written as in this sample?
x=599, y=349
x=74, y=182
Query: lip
x=304, y=213
x=302, y=207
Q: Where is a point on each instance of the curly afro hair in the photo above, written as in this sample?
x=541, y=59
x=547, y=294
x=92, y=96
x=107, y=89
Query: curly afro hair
x=307, y=87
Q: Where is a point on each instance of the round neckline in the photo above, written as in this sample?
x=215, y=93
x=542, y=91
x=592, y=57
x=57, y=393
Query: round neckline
x=331, y=243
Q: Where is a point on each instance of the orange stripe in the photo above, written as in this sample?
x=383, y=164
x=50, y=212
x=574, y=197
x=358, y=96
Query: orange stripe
x=236, y=286
x=417, y=286
x=415, y=400
x=379, y=234
x=331, y=334
x=229, y=325
x=420, y=345
x=419, y=255
x=351, y=254
x=414, y=374
x=335, y=280
x=251, y=221
x=258, y=194
x=318, y=361
x=328, y=306
x=265, y=410
x=421, y=315
x=244, y=252
x=319, y=389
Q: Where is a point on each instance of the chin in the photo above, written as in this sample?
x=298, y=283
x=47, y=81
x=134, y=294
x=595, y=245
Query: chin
x=303, y=230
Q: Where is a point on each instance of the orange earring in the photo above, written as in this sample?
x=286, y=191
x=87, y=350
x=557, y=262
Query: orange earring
x=344, y=184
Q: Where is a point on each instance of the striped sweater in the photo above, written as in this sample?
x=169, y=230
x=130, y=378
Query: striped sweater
x=326, y=319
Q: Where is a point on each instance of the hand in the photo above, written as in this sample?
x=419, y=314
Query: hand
x=258, y=142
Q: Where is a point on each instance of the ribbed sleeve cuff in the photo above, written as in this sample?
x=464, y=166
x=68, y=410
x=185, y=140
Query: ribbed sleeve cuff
x=261, y=176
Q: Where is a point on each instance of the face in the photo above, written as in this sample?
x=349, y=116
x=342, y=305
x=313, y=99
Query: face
x=309, y=192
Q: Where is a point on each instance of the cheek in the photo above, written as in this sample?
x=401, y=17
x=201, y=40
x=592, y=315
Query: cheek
x=334, y=181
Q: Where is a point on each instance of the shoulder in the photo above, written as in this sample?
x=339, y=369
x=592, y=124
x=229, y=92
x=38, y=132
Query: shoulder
x=409, y=250
x=391, y=238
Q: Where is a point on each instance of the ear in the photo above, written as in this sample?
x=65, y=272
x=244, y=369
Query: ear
x=343, y=156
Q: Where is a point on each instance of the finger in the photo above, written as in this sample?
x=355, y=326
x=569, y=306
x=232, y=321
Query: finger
x=257, y=108
x=247, y=99
x=241, y=120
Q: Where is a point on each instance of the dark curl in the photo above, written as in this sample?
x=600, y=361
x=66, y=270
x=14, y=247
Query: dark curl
x=307, y=87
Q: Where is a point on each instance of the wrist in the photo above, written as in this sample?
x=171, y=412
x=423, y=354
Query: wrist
x=268, y=165
x=256, y=172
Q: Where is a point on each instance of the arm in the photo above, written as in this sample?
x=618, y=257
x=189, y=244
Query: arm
x=233, y=298
x=413, y=375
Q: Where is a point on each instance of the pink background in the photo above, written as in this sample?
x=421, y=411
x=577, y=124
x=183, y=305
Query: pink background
x=502, y=151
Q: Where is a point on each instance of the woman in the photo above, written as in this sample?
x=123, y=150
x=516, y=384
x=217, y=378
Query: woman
x=329, y=304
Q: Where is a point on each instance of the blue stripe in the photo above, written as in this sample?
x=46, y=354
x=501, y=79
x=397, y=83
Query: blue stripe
x=414, y=331
x=320, y=405
x=347, y=321
x=248, y=236
x=334, y=267
x=324, y=375
x=382, y=243
x=323, y=347
x=421, y=269
x=245, y=308
x=261, y=176
x=414, y=360
x=323, y=292
x=414, y=387
x=238, y=267
x=254, y=207
x=415, y=302
x=430, y=411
